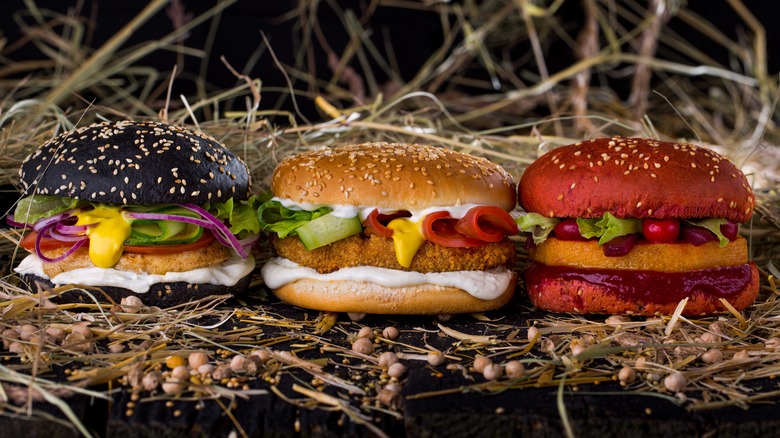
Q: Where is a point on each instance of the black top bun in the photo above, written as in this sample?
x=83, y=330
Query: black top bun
x=135, y=163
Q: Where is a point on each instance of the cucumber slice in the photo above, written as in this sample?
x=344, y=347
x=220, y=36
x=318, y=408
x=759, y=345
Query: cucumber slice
x=327, y=229
x=162, y=232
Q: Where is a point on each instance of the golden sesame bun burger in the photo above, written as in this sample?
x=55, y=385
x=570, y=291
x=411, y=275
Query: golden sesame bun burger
x=391, y=229
x=632, y=225
x=136, y=208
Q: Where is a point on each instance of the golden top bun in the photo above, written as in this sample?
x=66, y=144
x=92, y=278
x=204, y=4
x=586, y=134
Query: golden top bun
x=393, y=176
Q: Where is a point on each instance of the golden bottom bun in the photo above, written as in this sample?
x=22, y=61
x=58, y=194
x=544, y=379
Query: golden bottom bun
x=563, y=295
x=366, y=297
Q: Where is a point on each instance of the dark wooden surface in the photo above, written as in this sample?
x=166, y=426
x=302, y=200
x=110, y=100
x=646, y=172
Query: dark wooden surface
x=594, y=410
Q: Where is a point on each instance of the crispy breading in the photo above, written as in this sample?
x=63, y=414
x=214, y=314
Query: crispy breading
x=144, y=263
x=378, y=251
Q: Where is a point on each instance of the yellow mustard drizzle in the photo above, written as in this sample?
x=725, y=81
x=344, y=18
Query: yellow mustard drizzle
x=407, y=239
x=107, y=231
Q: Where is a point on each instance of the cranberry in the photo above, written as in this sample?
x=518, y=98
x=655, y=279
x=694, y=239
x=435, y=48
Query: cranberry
x=620, y=246
x=568, y=229
x=697, y=235
x=661, y=230
x=730, y=230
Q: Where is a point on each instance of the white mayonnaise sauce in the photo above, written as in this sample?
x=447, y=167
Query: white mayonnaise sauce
x=349, y=211
x=226, y=274
x=485, y=285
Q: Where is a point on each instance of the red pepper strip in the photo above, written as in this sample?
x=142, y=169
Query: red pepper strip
x=376, y=223
x=487, y=223
x=439, y=228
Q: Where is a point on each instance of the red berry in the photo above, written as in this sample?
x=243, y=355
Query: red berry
x=730, y=230
x=661, y=230
x=568, y=229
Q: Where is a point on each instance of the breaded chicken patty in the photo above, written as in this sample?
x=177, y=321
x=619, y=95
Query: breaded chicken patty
x=142, y=263
x=378, y=251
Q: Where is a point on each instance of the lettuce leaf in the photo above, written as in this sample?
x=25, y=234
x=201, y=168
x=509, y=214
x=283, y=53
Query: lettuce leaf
x=539, y=226
x=36, y=207
x=273, y=216
x=608, y=227
x=712, y=224
x=240, y=216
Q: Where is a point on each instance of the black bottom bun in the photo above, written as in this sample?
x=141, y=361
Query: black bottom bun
x=159, y=294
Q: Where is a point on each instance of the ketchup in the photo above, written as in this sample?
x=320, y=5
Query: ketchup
x=650, y=286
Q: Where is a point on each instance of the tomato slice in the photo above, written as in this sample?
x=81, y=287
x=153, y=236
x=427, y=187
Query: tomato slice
x=487, y=223
x=48, y=243
x=439, y=228
x=205, y=240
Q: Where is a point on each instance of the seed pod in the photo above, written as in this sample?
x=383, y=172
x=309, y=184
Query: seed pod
x=771, y=343
x=26, y=331
x=363, y=346
x=480, y=362
x=393, y=387
x=675, y=382
x=131, y=304
x=387, y=358
x=222, y=372
x=181, y=372
x=712, y=356
x=9, y=336
x=173, y=387
x=514, y=369
x=577, y=349
x=532, y=333
x=56, y=333
x=626, y=375
x=741, y=355
x=709, y=338
x=15, y=347
x=354, y=316
x=83, y=329
x=262, y=354
x=116, y=348
x=391, y=399
x=366, y=332
x=196, y=359
x=396, y=370
x=77, y=342
x=237, y=363
x=616, y=320
x=493, y=371
x=435, y=358
x=151, y=380
x=390, y=333
x=206, y=369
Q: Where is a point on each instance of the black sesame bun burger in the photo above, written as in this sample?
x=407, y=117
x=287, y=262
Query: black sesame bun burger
x=144, y=209
x=632, y=225
x=391, y=229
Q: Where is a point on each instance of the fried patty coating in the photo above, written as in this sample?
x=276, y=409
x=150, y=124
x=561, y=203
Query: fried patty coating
x=378, y=251
x=142, y=263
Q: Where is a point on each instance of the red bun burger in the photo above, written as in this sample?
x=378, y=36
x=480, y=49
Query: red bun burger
x=145, y=209
x=391, y=229
x=632, y=225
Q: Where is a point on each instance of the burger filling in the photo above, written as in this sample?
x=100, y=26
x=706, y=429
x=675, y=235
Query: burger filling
x=462, y=227
x=61, y=227
x=618, y=236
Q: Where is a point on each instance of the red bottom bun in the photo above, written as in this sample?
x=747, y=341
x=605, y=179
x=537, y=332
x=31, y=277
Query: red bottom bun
x=367, y=297
x=613, y=291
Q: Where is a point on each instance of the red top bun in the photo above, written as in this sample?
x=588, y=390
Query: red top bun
x=635, y=178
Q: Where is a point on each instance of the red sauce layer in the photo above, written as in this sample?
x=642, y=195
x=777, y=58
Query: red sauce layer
x=650, y=286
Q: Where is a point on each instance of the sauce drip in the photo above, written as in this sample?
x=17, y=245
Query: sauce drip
x=650, y=286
